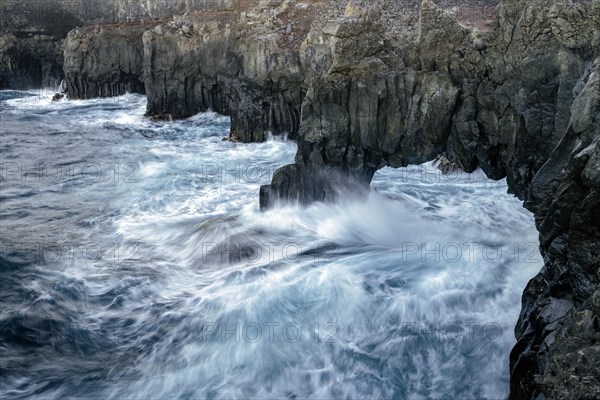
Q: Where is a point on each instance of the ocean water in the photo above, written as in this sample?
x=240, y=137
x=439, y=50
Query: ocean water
x=135, y=264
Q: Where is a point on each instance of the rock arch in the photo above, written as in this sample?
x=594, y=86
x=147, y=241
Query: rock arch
x=521, y=102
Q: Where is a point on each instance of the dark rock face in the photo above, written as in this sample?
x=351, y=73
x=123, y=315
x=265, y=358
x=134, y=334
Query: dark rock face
x=242, y=68
x=30, y=44
x=518, y=97
x=248, y=69
x=180, y=69
x=209, y=68
x=565, y=198
x=520, y=101
x=32, y=32
x=30, y=63
x=103, y=62
x=262, y=78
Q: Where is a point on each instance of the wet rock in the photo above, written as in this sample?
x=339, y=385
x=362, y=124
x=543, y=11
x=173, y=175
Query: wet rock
x=596, y=302
x=519, y=98
x=247, y=71
x=30, y=63
x=179, y=72
x=32, y=33
x=520, y=101
x=573, y=362
x=445, y=165
x=104, y=62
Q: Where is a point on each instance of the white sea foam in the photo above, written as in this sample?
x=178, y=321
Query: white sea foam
x=412, y=293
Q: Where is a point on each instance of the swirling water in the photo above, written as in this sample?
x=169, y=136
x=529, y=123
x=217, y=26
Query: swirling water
x=135, y=264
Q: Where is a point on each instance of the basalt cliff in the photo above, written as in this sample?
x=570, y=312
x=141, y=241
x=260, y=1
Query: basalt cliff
x=32, y=31
x=511, y=87
x=519, y=98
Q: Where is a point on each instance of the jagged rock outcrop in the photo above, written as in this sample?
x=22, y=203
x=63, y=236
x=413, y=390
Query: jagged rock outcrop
x=520, y=100
x=244, y=64
x=246, y=68
x=565, y=198
x=30, y=44
x=102, y=62
x=180, y=68
x=30, y=63
x=363, y=86
x=262, y=77
x=32, y=31
x=371, y=108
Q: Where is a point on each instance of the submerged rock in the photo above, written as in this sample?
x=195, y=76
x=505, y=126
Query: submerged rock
x=446, y=166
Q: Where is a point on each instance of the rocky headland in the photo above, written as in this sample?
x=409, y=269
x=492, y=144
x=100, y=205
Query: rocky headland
x=511, y=87
x=519, y=98
x=32, y=31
